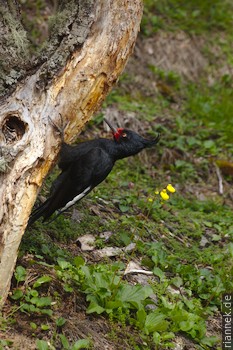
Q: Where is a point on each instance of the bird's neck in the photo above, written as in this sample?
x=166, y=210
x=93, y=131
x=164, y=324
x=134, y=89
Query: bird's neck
x=119, y=151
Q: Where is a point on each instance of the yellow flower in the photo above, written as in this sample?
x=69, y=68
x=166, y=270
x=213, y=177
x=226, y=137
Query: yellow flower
x=150, y=200
x=170, y=188
x=164, y=195
x=156, y=192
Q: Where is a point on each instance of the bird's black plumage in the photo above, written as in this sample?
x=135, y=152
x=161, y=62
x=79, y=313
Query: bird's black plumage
x=85, y=165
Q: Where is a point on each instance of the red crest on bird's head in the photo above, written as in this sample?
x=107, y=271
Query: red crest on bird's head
x=117, y=133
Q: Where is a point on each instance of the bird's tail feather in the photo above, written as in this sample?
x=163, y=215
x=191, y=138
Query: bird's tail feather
x=37, y=213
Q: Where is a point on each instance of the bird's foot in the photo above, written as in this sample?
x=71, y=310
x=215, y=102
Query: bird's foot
x=60, y=129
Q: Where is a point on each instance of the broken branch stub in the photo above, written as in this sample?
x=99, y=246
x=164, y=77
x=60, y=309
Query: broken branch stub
x=73, y=80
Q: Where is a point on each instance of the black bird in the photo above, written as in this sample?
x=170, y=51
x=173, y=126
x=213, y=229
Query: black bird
x=85, y=165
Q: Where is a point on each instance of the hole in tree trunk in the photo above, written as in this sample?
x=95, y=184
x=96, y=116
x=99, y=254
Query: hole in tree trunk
x=13, y=128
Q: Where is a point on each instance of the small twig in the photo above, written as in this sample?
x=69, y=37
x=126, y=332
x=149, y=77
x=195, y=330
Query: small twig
x=135, y=271
x=133, y=268
x=219, y=176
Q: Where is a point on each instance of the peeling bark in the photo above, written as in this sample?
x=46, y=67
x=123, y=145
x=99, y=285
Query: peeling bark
x=86, y=53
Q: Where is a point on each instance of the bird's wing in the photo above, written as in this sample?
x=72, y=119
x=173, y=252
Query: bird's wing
x=76, y=182
x=66, y=155
x=91, y=169
x=69, y=154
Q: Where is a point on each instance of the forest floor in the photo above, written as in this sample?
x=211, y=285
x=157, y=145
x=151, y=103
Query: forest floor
x=125, y=269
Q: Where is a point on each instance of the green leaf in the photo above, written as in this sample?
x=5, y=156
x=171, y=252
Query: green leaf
x=68, y=288
x=79, y=261
x=42, y=345
x=33, y=325
x=158, y=272
x=64, y=341
x=18, y=294
x=111, y=305
x=5, y=343
x=48, y=312
x=189, y=303
x=125, y=238
x=166, y=303
x=156, y=338
x=42, y=280
x=28, y=308
x=178, y=314
x=34, y=293
x=93, y=307
x=60, y=321
x=123, y=208
x=20, y=273
x=216, y=238
x=64, y=264
x=134, y=294
x=208, y=224
x=209, y=144
x=168, y=335
x=209, y=341
x=177, y=281
x=34, y=300
x=43, y=301
x=81, y=344
x=45, y=327
x=204, y=296
x=155, y=322
x=186, y=325
x=141, y=317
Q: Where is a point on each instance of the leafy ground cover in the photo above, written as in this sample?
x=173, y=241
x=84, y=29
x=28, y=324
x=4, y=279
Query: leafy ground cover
x=181, y=248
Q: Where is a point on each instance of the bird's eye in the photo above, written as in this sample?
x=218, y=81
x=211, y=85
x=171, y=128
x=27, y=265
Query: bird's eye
x=124, y=134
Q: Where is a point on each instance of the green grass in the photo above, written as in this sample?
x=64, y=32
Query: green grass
x=192, y=16
x=213, y=106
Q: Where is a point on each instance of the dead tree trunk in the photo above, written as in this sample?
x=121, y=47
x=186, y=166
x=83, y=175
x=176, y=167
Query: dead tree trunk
x=88, y=48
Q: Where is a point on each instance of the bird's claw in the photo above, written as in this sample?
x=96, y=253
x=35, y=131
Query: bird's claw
x=59, y=129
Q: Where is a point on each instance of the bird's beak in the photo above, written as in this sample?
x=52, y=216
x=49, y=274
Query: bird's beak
x=150, y=143
x=111, y=127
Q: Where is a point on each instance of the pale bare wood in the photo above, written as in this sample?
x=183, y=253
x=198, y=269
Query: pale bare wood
x=76, y=93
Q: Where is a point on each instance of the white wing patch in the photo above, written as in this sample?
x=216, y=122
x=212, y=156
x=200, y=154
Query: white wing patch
x=75, y=199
